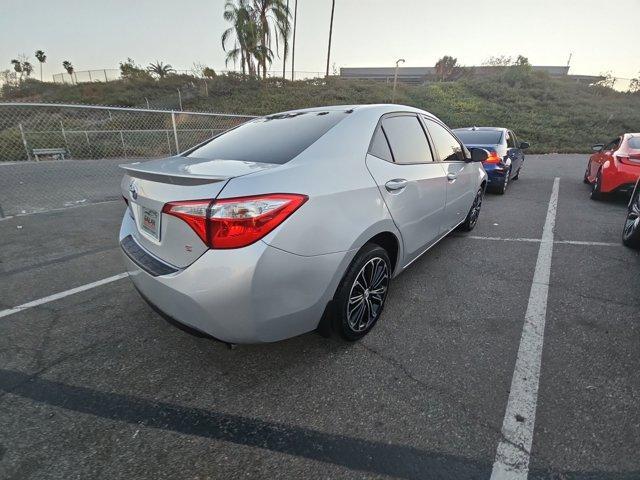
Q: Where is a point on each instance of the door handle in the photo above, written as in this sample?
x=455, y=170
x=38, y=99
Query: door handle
x=451, y=177
x=396, y=185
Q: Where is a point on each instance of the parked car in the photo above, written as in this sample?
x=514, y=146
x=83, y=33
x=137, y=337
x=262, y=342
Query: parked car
x=506, y=155
x=615, y=166
x=631, y=231
x=259, y=233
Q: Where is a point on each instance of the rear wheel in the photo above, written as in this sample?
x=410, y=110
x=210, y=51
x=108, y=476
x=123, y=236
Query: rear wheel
x=596, y=191
x=631, y=231
x=516, y=176
x=472, y=217
x=360, y=298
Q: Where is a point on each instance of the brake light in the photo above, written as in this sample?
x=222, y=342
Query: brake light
x=235, y=222
x=493, y=158
x=632, y=159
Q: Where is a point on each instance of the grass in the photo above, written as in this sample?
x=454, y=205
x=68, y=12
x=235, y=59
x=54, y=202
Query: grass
x=553, y=115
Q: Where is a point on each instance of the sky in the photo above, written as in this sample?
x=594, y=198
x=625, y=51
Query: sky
x=602, y=36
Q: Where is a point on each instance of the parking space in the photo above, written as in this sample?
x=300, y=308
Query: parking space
x=96, y=385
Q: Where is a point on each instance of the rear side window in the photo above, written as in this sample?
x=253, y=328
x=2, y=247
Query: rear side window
x=407, y=139
x=273, y=139
x=446, y=144
x=634, y=142
x=380, y=146
x=511, y=141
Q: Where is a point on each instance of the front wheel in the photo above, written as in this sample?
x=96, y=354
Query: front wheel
x=596, y=191
x=474, y=212
x=631, y=230
x=361, y=295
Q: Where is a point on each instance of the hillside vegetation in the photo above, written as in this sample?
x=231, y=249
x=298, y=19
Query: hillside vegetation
x=553, y=115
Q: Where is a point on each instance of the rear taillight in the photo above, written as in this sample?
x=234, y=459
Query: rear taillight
x=493, y=158
x=235, y=222
x=632, y=159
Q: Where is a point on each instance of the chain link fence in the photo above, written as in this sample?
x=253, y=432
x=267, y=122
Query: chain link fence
x=99, y=138
x=30, y=131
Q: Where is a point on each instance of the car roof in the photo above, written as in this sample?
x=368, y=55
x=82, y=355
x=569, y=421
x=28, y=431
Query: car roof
x=374, y=108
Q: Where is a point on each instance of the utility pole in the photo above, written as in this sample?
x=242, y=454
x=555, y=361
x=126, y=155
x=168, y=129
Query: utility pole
x=293, y=50
x=395, y=79
x=333, y=7
x=286, y=38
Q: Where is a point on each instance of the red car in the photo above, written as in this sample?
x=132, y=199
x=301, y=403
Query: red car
x=614, y=166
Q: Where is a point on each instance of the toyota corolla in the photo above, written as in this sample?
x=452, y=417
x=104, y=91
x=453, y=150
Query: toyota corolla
x=296, y=220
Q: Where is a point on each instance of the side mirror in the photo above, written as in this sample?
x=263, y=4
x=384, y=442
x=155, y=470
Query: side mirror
x=524, y=145
x=478, y=154
x=597, y=147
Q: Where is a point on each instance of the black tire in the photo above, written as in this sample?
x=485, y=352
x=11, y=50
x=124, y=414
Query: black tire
x=631, y=230
x=370, y=271
x=516, y=176
x=585, y=179
x=474, y=212
x=596, y=190
x=502, y=189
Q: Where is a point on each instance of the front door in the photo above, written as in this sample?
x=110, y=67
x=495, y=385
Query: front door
x=461, y=176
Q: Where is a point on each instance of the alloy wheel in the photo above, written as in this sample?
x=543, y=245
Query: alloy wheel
x=475, y=208
x=632, y=223
x=367, y=294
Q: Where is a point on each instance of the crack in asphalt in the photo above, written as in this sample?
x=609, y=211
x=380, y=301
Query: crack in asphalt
x=400, y=366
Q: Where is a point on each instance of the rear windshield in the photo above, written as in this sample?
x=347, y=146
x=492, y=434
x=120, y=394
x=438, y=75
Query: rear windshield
x=479, y=137
x=634, y=142
x=273, y=139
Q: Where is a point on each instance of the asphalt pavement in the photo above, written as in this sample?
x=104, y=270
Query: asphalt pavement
x=97, y=385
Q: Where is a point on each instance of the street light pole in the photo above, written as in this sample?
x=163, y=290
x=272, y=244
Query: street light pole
x=395, y=79
x=293, y=50
x=333, y=6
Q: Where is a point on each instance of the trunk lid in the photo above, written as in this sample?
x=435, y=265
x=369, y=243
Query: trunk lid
x=148, y=186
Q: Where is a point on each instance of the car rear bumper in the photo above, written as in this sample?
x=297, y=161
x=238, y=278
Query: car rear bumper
x=495, y=174
x=619, y=177
x=254, y=294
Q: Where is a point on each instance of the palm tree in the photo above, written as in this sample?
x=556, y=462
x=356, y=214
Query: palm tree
x=69, y=68
x=42, y=58
x=27, y=68
x=17, y=66
x=240, y=16
x=272, y=18
x=445, y=67
x=160, y=69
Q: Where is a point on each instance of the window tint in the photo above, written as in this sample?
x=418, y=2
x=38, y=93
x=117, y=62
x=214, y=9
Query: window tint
x=511, y=142
x=479, y=137
x=380, y=146
x=407, y=139
x=447, y=145
x=612, y=145
x=634, y=142
x=273, y=139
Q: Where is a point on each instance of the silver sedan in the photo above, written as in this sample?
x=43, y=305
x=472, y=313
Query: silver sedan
x=296, y=221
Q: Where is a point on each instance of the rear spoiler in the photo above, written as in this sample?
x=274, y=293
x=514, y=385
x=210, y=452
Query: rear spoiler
x=139, y=171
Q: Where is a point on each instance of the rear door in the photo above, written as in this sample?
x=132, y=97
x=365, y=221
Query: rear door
x=514, y=152
x=412, y=185
x=461, y=176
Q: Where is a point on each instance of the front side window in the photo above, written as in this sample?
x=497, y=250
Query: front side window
x=274, y=139
x=612, y=145
x=407, y=139
x=447, y=146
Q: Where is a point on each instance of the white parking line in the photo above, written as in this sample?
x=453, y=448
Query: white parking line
x=56, y=296
x=514, y=449
x=538, y=240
